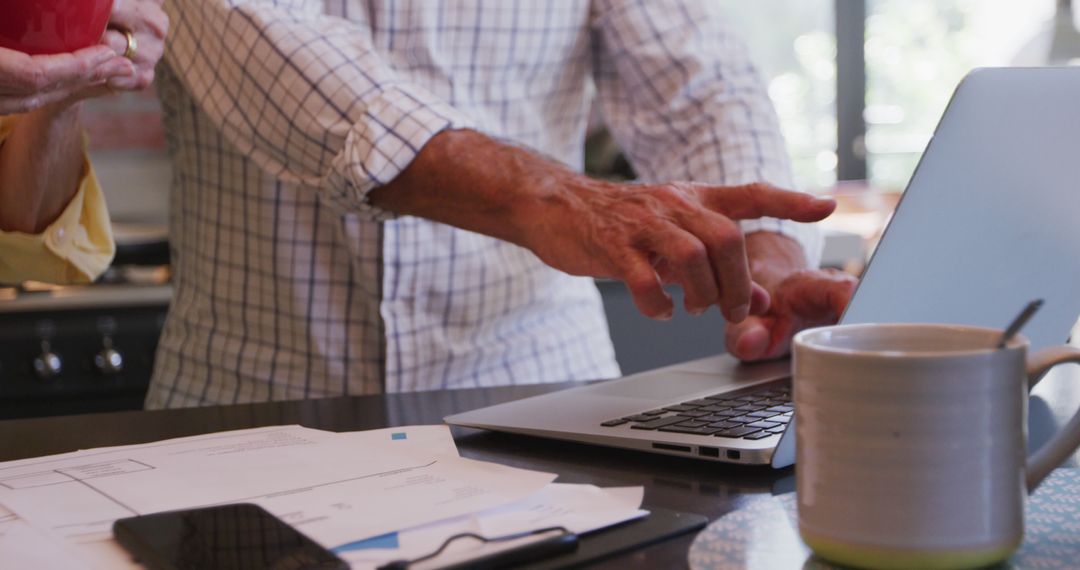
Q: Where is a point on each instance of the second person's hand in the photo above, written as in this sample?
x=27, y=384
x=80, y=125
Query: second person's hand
x=148, y=25
x=29, y=82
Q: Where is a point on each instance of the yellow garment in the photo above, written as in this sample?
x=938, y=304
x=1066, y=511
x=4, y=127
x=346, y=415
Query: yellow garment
x=76, y=248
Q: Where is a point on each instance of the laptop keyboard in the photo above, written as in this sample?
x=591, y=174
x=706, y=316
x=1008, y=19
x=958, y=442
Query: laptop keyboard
x=754, y=415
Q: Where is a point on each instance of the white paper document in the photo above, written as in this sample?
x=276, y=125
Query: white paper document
x=23, y=546
x=335, y=488
x=577, y=508
x=346, y=491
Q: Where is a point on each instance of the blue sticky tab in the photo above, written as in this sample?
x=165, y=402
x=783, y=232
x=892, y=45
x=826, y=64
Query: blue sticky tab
x=384, y=541
x=399, y=435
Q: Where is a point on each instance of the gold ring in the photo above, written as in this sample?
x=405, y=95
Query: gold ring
x=132, y=45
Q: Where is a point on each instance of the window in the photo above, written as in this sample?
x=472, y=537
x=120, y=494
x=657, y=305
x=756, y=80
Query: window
x=917, y=51
x=883, y=82
x=796, y=54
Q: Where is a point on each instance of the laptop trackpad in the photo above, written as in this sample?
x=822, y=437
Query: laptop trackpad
x=668, y=384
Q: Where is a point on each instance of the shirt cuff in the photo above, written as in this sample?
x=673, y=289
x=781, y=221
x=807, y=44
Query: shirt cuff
x=385, y=141
x=76, y=248
x=809, y=236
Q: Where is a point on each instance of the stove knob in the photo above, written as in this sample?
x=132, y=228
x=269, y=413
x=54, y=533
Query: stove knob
x=48, y=364
x=109, y=361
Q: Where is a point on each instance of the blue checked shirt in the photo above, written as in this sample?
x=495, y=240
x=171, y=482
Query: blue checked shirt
x=284, y=114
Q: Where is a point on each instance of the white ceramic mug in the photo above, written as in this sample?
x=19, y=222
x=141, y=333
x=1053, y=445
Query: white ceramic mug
x=911, y=443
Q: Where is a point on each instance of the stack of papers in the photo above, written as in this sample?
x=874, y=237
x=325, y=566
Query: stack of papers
x=372, y=497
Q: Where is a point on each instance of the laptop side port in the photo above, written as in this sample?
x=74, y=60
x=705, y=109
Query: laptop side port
x=734, y=454
x=670, y=447
x=708, y=451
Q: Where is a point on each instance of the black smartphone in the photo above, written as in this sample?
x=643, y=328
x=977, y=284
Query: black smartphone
x=228, y=537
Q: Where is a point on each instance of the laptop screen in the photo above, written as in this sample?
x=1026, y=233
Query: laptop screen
x=991, y=217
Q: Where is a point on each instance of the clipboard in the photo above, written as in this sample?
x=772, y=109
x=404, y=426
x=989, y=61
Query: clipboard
x=658, y=526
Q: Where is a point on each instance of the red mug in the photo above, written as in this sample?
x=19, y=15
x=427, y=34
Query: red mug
x=52, y=26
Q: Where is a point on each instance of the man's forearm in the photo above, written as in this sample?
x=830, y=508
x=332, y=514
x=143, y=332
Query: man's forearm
x=41, y=165
x=468, y=180
x=584, y=226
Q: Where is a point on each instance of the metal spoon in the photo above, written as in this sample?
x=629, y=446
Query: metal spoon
x=1020, y=320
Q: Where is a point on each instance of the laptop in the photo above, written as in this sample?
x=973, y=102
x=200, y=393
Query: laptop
x=989, y=221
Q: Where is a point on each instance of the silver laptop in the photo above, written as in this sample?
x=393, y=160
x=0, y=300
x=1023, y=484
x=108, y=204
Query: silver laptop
x=989, y=221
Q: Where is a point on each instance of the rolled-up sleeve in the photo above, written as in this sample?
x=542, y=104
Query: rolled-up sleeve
x=304, y=95
x=76, y=248
x=684, y=101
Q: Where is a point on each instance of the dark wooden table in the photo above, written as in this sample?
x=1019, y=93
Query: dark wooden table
x=670, y=482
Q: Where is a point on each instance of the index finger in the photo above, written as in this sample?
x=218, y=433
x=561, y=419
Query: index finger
x=761, y=200
x=22, y=74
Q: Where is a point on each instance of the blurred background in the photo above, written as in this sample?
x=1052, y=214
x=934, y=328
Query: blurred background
x=859, y=86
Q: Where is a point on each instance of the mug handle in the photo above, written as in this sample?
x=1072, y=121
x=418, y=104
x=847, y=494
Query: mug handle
x=1062, y=445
